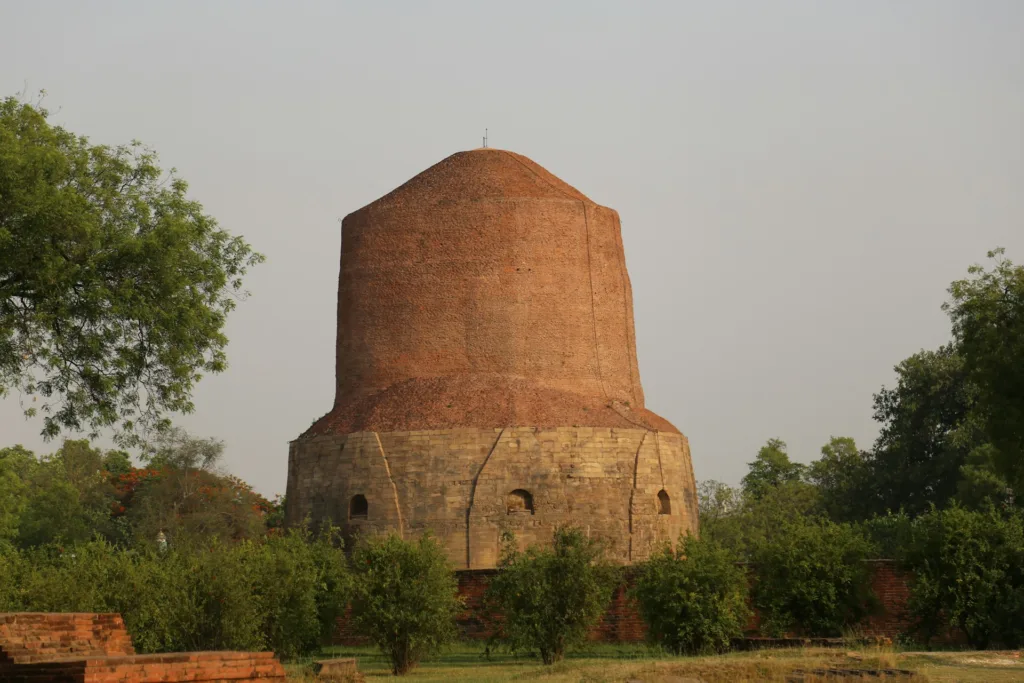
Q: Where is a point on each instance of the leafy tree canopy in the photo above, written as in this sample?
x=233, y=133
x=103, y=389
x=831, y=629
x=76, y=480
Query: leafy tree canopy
x=114, y=284
x=843, y=479
x=79, y=492
x=928, y=427
x=987, y=312
x=771, y=469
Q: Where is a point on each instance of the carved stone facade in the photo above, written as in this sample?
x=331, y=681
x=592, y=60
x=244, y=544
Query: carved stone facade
x=486, y=373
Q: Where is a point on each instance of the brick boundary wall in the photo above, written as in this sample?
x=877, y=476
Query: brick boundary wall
x=622, y=622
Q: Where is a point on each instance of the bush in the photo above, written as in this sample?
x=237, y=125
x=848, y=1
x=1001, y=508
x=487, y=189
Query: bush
x=405, y=597
x=84, y=577
x=198, y=598
x=282, y=593
x=889, y=533
x=11, y=568
x=811, y=577
x=551, y=597
x=302, y=586
x=968, y=570
x=694, y=599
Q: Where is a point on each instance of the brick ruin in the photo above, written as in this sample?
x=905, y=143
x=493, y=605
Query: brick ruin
x=486, y=373
x=38, y=647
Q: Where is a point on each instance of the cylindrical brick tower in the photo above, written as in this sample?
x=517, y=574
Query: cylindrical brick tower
x=486, y=373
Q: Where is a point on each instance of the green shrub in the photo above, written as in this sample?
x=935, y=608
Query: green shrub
x=405, y=597
x=889, y=533
x=693, y=599
x=301, y=584
x=968, y=573
x=550, y=598
x=197, y=598
x=811, y=578
x=334, y=581
x=11, y=569
x=282, y=593
x=222, y=609
x=84, y=577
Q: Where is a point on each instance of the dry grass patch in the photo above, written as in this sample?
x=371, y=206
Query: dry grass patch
x=633, y=664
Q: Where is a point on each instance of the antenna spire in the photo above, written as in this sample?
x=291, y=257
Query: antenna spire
x=485, y=137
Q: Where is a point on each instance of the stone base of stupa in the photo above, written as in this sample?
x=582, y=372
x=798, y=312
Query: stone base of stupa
x=632, y=488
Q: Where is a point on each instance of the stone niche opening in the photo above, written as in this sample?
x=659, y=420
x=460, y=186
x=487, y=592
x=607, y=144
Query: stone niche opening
x=358, y=508
x=519, y=502
x=664, y=503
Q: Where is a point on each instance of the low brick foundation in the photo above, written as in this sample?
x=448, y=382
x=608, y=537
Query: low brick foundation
x=96, y=648
x=187, y=666
x=622, y=623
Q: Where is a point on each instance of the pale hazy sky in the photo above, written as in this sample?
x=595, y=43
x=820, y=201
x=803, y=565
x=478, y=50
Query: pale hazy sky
x=798, y=182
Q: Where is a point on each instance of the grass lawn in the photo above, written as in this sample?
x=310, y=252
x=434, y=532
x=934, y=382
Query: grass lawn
x=609, y=663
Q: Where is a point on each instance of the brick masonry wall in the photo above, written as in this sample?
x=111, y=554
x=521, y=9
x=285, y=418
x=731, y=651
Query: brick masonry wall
x=892, y=587
x=188, y=667
x=27, y=637
x=484, y=292
x=622, y=622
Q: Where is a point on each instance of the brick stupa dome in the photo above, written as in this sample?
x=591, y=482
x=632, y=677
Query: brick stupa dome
x=487, y=377
x=484, y=292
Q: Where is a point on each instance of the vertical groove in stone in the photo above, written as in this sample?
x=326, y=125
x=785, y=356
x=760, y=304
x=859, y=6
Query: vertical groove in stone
x=394, y=488
x=472, y=496
x=657, y=446
x=632, y=493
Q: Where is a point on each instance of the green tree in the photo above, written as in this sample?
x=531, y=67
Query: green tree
x=114, y=284
x=302, y=585
x=987, y=312
x=69, y=497
x=16, y=467
x=843, y=478
x=720, y=509
x=746, y=522
x=770, y=469
x=693, y=599
x=550, y=597
x=184, y=494
x=982, y=483
x=811, y=577
x=968, y=569
x=716, y=501
x=405, y=597
x=929, y=426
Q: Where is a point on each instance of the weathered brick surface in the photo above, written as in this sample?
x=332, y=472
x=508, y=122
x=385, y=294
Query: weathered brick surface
x=485, y=346
x=892, y=587
x=96, y=648
x=27, y=637
x=484, y=292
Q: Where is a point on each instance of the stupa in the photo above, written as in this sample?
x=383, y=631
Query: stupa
x=487, y=376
